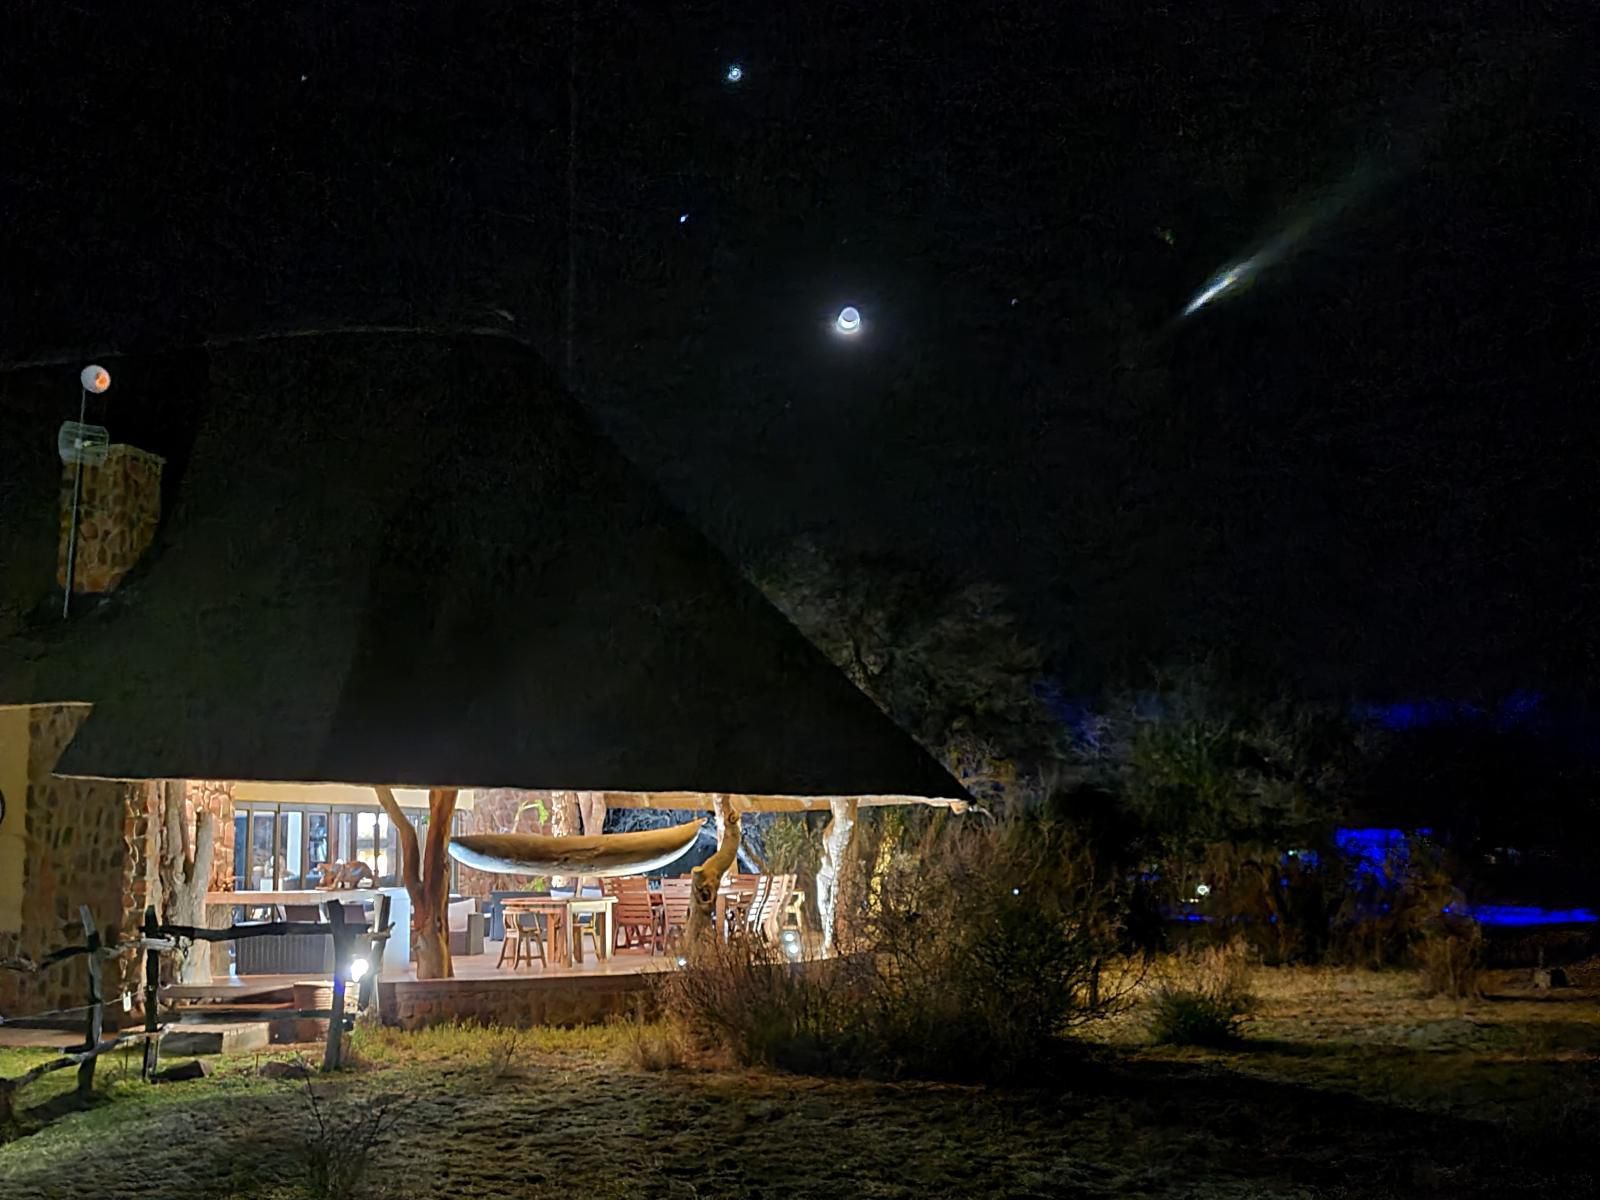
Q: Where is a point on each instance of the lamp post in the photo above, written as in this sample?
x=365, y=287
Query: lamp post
x=94, y=379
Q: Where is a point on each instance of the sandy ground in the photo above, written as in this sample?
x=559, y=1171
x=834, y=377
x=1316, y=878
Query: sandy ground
x=1348, y=1086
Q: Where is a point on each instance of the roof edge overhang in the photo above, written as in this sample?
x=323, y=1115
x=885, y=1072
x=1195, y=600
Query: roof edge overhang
x=694, y=801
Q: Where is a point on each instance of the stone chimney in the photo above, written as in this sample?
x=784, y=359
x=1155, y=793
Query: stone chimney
x=119, y=507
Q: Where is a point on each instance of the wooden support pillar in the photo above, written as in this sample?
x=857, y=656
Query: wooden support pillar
x=837, y=840
x=152, y=992
x=708, y=875
x=333, y=1055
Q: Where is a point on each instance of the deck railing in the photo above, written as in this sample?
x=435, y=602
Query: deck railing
x=158, y=938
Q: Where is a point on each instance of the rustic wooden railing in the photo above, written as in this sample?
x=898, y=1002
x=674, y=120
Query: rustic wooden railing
x=158, y=938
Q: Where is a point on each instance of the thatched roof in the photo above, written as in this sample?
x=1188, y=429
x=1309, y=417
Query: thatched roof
x=412, y=561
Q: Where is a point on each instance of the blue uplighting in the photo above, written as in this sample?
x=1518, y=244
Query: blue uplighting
x=1527, y=916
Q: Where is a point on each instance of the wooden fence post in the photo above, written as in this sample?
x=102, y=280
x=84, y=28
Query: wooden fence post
x=152, y=986
x=377, y=946
x=332, y=1056
x=94, y=1026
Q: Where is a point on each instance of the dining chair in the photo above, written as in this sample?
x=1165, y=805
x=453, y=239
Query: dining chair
x=677, y=897
x=633, y=915
x=523, y=936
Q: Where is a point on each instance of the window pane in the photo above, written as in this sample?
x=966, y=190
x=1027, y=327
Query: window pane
x=343, y=848
x=261, y=851
x=241, y=850
x=291, y=867
x=316, y=839
x=366, y=847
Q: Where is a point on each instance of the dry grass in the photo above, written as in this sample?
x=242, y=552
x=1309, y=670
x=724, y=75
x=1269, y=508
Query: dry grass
x=1349, y=1084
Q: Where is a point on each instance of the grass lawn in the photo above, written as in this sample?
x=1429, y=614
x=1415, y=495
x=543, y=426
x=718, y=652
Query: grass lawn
x=1347, y=1085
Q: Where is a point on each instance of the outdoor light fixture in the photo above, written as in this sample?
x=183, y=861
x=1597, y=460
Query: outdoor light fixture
x=790, y=940
x=93, y=378
x=682, y=961
x=683, y=218
x=734, y=73
x=358, y=968
x=849, y=321
x=1202, y=889
x=1016, y=891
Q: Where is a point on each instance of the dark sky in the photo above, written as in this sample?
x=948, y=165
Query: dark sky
x=1370, y=472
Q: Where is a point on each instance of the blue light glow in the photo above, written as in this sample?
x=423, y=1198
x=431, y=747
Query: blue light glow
x=1527, y=915
x=734, y=73
x=849, y=321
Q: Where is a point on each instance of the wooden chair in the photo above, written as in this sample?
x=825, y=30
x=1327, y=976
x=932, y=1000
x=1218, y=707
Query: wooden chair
x=587, y=926
x=633, y=915
x=523, y=935
x=767, y=917
x=677, y=897
x=752, y=904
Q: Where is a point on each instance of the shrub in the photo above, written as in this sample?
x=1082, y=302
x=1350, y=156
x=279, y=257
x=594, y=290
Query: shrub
x=337, y=1147
x=1205, y=1002
x=504, y=1054
x=975, y=956
x=1448, y=959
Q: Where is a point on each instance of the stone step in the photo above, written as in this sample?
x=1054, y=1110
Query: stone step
x=216, y=1039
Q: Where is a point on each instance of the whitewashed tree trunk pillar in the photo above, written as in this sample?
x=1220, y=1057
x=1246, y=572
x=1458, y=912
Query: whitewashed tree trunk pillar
x=566, y=820
x=837, y=840
x=186, y=874
x=708, y=875
x=592, y=813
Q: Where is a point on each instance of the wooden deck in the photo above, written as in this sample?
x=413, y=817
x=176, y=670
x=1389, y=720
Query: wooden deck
x=532, y=994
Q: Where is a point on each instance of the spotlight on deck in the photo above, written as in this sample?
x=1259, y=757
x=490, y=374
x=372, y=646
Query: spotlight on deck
x=358, y=968
x=849, y=321
x=789, y=939
x=682, y=961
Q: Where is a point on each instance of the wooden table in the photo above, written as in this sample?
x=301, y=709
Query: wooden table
x=560, y=912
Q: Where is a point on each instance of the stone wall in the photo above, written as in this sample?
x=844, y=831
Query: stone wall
x=119, y=506
x=216, y=796
x=494, y=810
x=520, y=1002
x=79, y=851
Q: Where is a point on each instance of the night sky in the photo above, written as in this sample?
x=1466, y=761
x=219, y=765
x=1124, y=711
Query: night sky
x=1368, y=473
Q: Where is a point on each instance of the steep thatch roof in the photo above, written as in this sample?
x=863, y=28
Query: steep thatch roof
x=411, y=560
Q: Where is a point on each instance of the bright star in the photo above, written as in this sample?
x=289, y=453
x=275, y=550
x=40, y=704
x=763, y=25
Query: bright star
x=683, y=218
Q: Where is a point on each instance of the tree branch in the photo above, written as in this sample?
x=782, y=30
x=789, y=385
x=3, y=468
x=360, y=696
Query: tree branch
x=441, y=809
x=410, y=857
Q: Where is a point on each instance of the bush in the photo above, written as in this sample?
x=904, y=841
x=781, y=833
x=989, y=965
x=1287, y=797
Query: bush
x=1448, y=959
x=338, y=1145
x=504, y=1054
x=975, y=957
x=1205, y=1002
